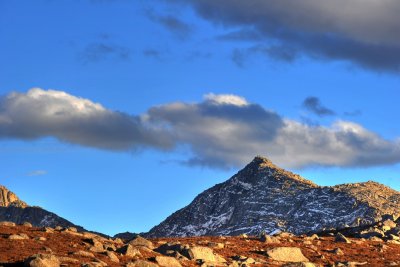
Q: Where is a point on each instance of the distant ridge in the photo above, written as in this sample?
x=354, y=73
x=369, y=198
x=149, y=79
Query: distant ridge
x=265, y=198
x=15, y=210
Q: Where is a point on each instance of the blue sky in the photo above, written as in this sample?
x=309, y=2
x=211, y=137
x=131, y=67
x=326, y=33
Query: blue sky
x=141, y=105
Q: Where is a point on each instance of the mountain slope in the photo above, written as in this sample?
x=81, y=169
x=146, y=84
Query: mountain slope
x=264, y=197
x=15, y=210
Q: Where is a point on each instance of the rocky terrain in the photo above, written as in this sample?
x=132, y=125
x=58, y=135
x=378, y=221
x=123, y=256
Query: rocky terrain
x=262, y=216
x=15, y=210
x=24, y=245
x=263, y=198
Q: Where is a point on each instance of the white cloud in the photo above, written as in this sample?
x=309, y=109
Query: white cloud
x=221, y=131
x=226, y=99
x=231, y=135
x=40, y=113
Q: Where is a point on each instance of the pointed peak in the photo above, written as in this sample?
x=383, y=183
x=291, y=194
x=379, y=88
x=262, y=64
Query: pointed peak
x=263, y=162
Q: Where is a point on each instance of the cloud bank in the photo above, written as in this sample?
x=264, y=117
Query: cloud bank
x=364, y=32
x=42, y=113
x=221, y=131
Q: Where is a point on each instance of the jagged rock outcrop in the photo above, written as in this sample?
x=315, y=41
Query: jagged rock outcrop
x=9, y=199
x=13, y=209
x=265, y=198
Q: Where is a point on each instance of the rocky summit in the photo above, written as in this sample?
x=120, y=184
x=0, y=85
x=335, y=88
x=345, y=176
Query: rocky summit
x=263, y=198
x=13, y=209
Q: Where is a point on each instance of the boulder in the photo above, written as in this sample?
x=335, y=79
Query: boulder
x=72, y=229
x=170, y=249
x=141, y=242
x=96, y=245
x=204, y=254
x=286, y=254
x=67, y=260
x=42, y=260
x=18, y=237
x=167, y=261
x=112, y=256
x=129, y=251
x=27, y=224
x=10, y=224
x=82, y=253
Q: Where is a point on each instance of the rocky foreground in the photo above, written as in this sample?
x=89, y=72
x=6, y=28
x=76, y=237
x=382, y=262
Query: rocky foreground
x=24, y=245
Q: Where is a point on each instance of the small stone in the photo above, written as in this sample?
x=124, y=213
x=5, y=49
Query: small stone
x=338, y=251
x=72, y=229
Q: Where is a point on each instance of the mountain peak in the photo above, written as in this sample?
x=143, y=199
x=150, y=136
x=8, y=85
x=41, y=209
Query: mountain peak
x=264, y=167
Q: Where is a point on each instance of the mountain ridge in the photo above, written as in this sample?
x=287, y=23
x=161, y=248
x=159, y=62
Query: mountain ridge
x=263, y=197
x=15, y=210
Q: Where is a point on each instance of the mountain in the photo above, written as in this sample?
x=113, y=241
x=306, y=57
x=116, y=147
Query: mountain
x=15, y=210
x=265, y=198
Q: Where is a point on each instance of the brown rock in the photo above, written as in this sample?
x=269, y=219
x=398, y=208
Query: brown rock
x=82, y=253
x=166, y=261
x=27, y=224
x=10, y=224
x=112, y=256
x=18, y=237
x=42, y=260
x=129, y=251
x=203, y=253
x=286, y=254
x=141, y=242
